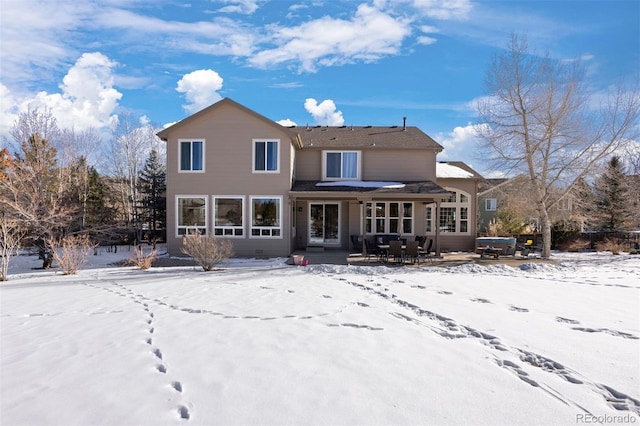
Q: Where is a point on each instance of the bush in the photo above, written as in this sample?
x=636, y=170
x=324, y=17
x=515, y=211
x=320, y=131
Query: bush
x=574, y=245
x=206, y=250
x=72, y=252
x=611, y=245
x=142, y=260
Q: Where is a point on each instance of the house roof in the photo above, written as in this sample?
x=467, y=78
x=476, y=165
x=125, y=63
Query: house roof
x=491, y=184
x=360, y=187
x=164, y=133
x=389, y=137
x=456, y=170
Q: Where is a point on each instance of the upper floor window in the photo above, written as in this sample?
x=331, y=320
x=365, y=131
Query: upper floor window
x=491, y=204
x=341, y=165
x=266, y=156
x=191, y=156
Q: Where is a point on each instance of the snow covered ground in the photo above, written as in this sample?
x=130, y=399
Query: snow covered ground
x=262, y=342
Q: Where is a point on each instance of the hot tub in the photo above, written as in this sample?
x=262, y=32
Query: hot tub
x=495, y=242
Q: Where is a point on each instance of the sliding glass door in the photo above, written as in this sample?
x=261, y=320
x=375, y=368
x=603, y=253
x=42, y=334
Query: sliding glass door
x=324, y=220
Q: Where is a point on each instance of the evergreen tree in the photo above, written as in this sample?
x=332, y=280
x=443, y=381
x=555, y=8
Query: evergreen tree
x=613, y=202
x=152, y=182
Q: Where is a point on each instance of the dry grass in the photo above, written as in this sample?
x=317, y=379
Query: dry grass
x=206, y=250
x=142, y=260
x=575, y=245
x=611, y=245
x=72, y=252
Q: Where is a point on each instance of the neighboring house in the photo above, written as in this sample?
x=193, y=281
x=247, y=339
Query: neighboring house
x=515, y=193
x=234, y=173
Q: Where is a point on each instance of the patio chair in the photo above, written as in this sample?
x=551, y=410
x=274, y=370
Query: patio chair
x=426, y=252
x=356, y=242
x=412, y=252
x=372, y=250
x=395, y=250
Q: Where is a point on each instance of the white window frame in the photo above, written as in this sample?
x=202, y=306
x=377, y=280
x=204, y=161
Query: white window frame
x=458, y=206
x=191, y=141
x=491, y=204
x=263, y=229
x=189, y=230
x=358, y=165
x=228, y=231
x=253, y=155
x=370, y=221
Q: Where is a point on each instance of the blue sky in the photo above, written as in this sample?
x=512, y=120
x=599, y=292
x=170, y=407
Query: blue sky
x=304, y=62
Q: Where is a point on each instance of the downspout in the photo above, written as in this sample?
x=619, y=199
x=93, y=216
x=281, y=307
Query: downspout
x=363, y=224
x=437, y=225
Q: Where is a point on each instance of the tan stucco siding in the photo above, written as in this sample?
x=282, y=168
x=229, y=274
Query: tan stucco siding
x=401, y=164
x=228, y=137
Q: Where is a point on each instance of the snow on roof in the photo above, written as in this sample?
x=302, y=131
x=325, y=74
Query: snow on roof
x=363, y=184
x=444, y=170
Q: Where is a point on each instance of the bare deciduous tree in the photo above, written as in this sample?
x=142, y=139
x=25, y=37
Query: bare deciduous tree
x=540, y=119
x=34, y=190
x=130, y=146
x=10, y=238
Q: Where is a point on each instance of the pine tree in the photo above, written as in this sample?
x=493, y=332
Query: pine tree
x=613, y=205
x=152, y=181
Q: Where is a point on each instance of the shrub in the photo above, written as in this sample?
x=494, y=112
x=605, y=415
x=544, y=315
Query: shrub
x=611, y=245
x=206, y=250
x=574, y=245
x=72, y=252
x=142, y=260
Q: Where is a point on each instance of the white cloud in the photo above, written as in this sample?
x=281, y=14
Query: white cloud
x=88, y=98
x=444, y=9
x=8, y=110
x=324, y=113
x=426, y=40
x=200, y=88
x=368, y=36
x=287, y=122
x=239, y=6
x=459, y=142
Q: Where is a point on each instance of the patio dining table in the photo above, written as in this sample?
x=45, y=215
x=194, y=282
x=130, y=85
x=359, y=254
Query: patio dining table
x=385, y=249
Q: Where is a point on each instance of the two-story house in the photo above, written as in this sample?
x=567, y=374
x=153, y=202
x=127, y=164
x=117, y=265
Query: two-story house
x=234, y=173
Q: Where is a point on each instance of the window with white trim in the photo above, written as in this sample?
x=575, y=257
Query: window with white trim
x=228, y=216
x=340, y=165
x=454, y=214
x=191, y=155
x=191, y=214
x=266, y=217
x=266, y=156
x=389, y=217
x=491, y=204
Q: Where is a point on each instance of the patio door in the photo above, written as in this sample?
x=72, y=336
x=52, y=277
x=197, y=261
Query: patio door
x=324, y=220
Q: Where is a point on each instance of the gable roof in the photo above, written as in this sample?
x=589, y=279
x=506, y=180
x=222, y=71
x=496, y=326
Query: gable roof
x=164, y=133
x=455, y=170
x=389, y=137
x=492, y=184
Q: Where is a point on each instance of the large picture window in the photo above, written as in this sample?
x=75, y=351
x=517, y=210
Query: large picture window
x=266, y=156
x=341, y=165
x=454, y=214
x=191, y=215
x=389, y=217
x=191, y=156
x=266, y=217
x=228, y=216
